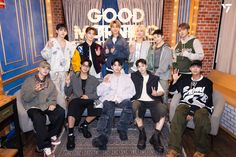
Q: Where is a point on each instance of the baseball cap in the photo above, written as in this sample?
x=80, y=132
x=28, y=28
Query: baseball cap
x=197, y=63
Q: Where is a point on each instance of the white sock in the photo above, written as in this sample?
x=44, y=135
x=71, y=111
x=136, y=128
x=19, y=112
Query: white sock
x=160, y=124
x=54, y=138
x=47, y=151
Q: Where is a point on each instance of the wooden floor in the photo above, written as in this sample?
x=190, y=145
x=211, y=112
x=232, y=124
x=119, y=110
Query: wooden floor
x=224, y=145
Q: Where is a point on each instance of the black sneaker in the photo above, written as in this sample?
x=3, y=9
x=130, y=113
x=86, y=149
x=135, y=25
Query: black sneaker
x=155, y=141
x=142, y=139
x=123, y=135
x=84, y=129
x=70, y=142
x=100, y=142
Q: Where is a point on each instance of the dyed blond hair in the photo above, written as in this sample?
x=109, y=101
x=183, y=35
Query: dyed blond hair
x=142, y=28
x=117, y=22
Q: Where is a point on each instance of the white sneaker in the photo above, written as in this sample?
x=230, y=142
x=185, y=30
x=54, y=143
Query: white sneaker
x=55, y=141
x=48, y=152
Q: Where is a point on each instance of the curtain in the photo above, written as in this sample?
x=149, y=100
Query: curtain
x=75, y=12
x=184, y=11
x=153, y=10
x=226, y=56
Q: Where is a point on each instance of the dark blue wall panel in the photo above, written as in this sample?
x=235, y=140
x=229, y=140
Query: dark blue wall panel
x=23, y=34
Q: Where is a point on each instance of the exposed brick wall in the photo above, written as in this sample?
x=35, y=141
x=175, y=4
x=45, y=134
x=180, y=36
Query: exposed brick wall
x=228, y=120
x=57, y=14
x=168, y=19
x=207, y=30
x=207, y=26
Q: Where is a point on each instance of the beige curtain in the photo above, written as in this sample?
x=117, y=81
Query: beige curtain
x=75, y=12
x=226, y=53
x=153, y=9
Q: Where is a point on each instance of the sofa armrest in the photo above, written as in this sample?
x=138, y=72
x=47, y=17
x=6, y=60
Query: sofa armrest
x=173, y=105
x=219, y=103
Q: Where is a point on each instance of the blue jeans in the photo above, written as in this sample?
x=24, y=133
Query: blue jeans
x=105, y=121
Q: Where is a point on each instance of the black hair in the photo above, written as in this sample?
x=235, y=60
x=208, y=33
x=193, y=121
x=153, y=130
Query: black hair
x=158, y=32
x=116, y=60
x=61, y=25
x=141, y=60
x=87, y=60
x=91, y=28
x=184, y=26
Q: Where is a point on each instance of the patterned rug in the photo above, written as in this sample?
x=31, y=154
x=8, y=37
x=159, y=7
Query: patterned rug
x=115, y=147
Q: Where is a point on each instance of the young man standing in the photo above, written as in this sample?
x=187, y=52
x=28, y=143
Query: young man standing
x=89, y=50
x=195, y=104
x=148, y=96
x=159, y=61
x=58, y=53
x=117, y=90
x=38, y=95
x=189, y=48
x=82, y=87
x=116, y=47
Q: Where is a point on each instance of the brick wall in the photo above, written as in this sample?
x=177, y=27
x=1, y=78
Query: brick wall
x=228, y=120
x=57, y=14
x=207, y=27
x=168, y=19
x=207, y=30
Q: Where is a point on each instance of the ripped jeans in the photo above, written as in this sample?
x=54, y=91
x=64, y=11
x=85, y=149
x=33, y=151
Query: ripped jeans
x=105, y=121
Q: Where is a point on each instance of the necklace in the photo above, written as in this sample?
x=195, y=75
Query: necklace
x=193, y=84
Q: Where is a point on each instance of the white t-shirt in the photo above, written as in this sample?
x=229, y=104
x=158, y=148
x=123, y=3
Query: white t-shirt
x=144, y=96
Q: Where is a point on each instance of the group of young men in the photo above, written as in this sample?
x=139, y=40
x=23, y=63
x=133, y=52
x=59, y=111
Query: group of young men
x=134, y=93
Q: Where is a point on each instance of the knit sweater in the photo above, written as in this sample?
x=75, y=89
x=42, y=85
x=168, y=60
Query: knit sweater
x=196, y=94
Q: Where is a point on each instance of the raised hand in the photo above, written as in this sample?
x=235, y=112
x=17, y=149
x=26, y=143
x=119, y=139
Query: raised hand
x=49, y=44
x=154, y=91
x=38, y=87
x=98, y=51
x=112, y=50
x=106, y=50
x=132, y=48
x=176, y=74
x=188, y=118
x=106, y=78
x=67, y=80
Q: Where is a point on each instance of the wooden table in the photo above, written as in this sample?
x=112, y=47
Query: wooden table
x=9, y=114
x=8, y=152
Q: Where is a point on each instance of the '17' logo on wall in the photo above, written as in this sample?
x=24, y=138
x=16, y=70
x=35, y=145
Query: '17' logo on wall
x=227, y=7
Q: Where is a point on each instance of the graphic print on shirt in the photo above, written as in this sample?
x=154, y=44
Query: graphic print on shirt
x=195, y=96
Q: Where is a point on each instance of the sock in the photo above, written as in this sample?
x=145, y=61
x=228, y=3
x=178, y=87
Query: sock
x=140, y=128
x=157, y=131
x=85, y=123
x=71, y=131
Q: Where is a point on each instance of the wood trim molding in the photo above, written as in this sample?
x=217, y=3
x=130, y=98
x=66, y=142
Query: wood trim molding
x=1, y=85
x=49, y=18
x=19, y=76
x=175, y=22
x=194, y=9
x=228, y=132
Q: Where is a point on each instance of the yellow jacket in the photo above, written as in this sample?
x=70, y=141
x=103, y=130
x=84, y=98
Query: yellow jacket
x=75, y=61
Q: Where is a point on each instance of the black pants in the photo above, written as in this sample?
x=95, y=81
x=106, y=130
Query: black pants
x=77, y=106
x=44, y=132
x=157, y=109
